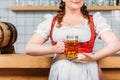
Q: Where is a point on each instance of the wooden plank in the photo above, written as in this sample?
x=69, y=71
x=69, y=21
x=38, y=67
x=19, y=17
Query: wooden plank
x=42, y=74
x=110, y=62
x=24, y=74
x=54, y=8
x=111, y=74
x=34, y=8
x=24, y=61
x=103, y=8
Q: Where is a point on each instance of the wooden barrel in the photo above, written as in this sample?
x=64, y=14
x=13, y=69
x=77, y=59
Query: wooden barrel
x=8, y=34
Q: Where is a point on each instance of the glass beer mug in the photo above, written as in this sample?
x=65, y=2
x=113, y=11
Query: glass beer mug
x=71, y=46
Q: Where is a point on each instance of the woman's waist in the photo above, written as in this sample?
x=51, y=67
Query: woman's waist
x=68, y=56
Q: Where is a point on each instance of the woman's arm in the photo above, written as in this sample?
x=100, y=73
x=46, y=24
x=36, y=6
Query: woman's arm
x=35, y=46
x=112, y=45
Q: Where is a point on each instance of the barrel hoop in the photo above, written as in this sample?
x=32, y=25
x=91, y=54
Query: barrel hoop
x=15, y=32
x=2, y=36
x=11, y=33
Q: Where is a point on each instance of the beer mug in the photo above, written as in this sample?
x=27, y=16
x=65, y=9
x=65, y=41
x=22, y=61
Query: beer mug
x=71, y=46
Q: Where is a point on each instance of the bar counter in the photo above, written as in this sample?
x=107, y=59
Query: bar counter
x=25, y=67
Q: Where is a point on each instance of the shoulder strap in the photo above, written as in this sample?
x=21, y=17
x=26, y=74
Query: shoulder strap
x=52, y=26
x=92, y=26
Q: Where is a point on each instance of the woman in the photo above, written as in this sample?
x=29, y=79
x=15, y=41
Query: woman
x=73, y=18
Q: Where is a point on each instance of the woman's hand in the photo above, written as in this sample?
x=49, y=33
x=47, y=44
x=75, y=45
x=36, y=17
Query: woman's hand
x=60, y=47
x=84, y=58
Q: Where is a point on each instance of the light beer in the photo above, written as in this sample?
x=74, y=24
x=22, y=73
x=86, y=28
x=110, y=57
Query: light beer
x=71, y=47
